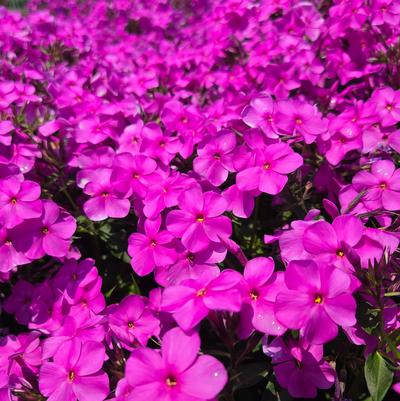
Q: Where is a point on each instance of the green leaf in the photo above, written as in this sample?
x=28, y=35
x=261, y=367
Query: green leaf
x=378, y=376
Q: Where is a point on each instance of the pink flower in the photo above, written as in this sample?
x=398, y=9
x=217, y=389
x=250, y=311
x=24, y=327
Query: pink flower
x=199, y=222
x=261, y=114
x=49, y=234
x=300, y=118
x=171, y=374
x=19, y=302
x=154, y=248
x=382, y=186
x=345, y=231
x=191, y=300
x=79, y=328
x=132, y=173
x=163, y=191
x=75, y=374
x=214, y=160
x=241, y=203
x=159, y=145
x=190, y=265
x=73, y=277
x=271, y=164
x=10, y=257
x=106, y=201
x=385, y=11
x=259, y=289
x=387, y=105
x=300, y=368
x=94, y=130
x=19, y=201
x=318, y=299
x=131, y=322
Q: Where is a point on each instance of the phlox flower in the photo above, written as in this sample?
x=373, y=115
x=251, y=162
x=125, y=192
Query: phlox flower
x=381, y=186
x=10, y=257
x=261, y=113
x=190, y=265
x=163, y=192
x=132, y=322
x=317, y=300
x=259, y=289
x=299, y=118
x=153, y=248
x=48, y=234
x=387, y=103
x=93, y=130
x=172, y=375
x=158, y=144
x=199, y=221
x=131, y=173
x=214, y=160
x=19, y=201
x=300, y=367
x=191, y=300
x=75, y=373
x=329, y=242
x=106, y=201
x=271, y=164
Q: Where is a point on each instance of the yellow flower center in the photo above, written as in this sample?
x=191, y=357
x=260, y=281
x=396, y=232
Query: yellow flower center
x=318, y=299
x=171, y=381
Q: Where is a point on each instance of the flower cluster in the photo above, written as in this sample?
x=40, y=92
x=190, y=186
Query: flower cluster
x=199, y=200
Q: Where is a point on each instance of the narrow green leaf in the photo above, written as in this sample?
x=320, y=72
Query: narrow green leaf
x=378, y=376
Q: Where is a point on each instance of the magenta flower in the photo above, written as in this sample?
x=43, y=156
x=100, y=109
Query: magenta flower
x=241, y=203
x=300, y=118
x=271, y=164
x=171, y=374
x=132, y=173
x=199, y=222
x=78, y=328
x=151, y=249
x=123, y=391
x=131, y=139
x=190, y=265
x=132, y=323
x=385, y=11
x=106, y=201
x=317, y=300
x=19, y=302
x=261, y=114
x=387, y=105
x=299, y=368
x=75, y=374
x=27, y=355
x=94, y=130
x=74, y=276
x=191, y=300
x=214, y=160
x=382, y=186
x=159, y=145
x=259, y=289
x=345, y=231
x=10, y=257
x=50, y=234
x=163, y=191
x=177, y=117
x=19, y=201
